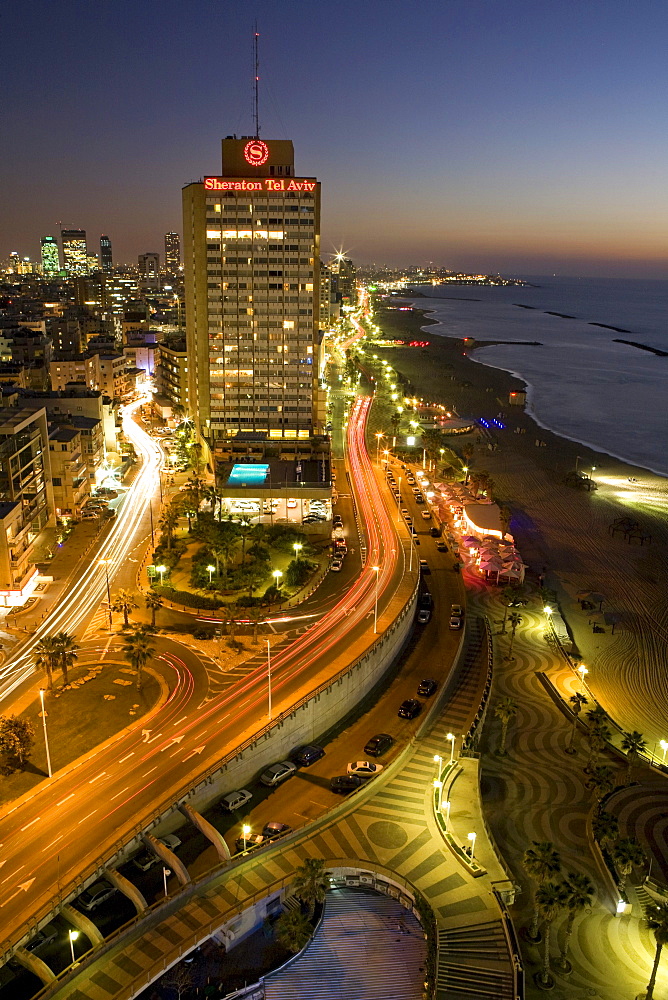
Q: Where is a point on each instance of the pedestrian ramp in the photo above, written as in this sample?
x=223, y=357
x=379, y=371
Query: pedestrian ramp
x=367, y=947
x=473, y=963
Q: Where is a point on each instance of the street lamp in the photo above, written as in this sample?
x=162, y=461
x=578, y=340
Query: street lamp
x=664, y=746
x=378, y=436
x=105, y=563
x=297, y=546
x=277, y=574
x=548, y=611
x=269, y=675
x=399, y=500
x=446, y=805
x=73, y=935
x=165, y=873
x=245, y=830
x=161, y=570
x=582, y=670
x=211, y=570
x=376, y=570
x=451, y=737
x=472, y=837
x=46, y=738
x=465, y=470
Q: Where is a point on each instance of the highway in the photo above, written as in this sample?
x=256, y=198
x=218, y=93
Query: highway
x=83, y=812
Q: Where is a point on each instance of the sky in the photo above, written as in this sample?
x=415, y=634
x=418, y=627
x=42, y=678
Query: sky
x=509, y=136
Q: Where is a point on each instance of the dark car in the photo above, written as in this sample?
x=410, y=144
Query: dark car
x=272, y=831
x=424, y=566
x=441, y=547
x=435, y=532
x=345, y=783
x=410, y=708
x=378, y=744
x=427, y=687
x=305, y=756
x=424, y=616
x=249, y=843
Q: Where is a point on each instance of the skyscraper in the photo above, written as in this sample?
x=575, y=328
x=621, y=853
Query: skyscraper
x=149, y=270
x=50, y=256
x=75, y=253
x=106, y=262
x=251, y=269
x=172, y=253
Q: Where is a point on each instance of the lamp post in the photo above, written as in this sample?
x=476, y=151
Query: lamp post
x=446, y=805
x=46, y=738
x=211, y=570
x=451, y=737
x=297, y=546
x=73, y=935
x=399, y=500
x=378, y=436
x=376, y=570
x=582, y=670
x=105, y=563
x=465, y=470
x=161, y=570
x=269, y=675
x=165, y=873
x=664, y=746
x=438, y=760
x=472, y=837
x=245, y=830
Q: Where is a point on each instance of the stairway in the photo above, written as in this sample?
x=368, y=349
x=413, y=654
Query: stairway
x=473, y=963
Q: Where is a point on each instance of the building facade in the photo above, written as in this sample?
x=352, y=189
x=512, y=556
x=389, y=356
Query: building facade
x=75, y=253
x=172, y=253
x=50, y=256
x=251, y=271
x=69, y=475
x=106, y=259
x=149, y=270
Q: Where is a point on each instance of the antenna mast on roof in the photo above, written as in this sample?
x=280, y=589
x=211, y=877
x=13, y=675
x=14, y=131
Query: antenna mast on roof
x=256, y=84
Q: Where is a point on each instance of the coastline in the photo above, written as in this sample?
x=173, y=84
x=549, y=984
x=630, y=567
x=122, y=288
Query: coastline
x=563, y=532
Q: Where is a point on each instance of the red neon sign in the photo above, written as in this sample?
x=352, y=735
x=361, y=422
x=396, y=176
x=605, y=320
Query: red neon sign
x=256, y=152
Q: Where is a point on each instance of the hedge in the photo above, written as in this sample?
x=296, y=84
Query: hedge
x=187, y=599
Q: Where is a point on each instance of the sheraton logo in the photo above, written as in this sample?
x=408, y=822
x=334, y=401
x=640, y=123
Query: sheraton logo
x=256, y=152
x=263, y=184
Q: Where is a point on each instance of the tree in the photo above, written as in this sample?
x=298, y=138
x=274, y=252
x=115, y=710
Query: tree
x=138, y=649
x=606, y=828
x=293, y=930
x=577, y=700
x=626, y=853
x=504, y=518
x=168, y=523
x=124, y=602
x=179, y=978
x=540, y=861
x=16, y=740
x=601, y=781
x=153, y=603
x=311, y=883
x=513, y=620
x=67, y=650
x=550, y=898
x=505, y=710
x=657, y=921
x=245, y=530
x=188, y=505
x=47, y=658
x=633, y=744
x=580, y=891
x=507, y=595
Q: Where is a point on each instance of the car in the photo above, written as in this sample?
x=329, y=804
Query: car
x=96, y=894
x=378, y=744
x=364, y=768
x=272, y=831
x=336, y=564
x=276, y=773
x=248, y=843
x=405, y=512
x=344, y=783
x=410, y=480
x=409, y=708
x=427, y=687
x=426, y=515
x=305, y=756
x=441, y=547
x=419, y=499
x=338, y=521
x=424, y=616
x=456, y=609
x=415, y=490
x=424, y=567
x=235, y=800
x=435, y=531
x=47, y=935
x=456, y=621
x=90, y=515
x=340, y=546
x=147, y=858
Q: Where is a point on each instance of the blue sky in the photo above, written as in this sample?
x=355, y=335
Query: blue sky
x=515, y=136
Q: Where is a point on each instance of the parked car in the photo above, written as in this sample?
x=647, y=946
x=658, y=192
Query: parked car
x=426, y=687
x=345, y=783
x=47, y=935
x=424, y=567
x=90, y=515
x=336, y=564
x=410, y=708
x=276, y=773
x=147, y=858
x=378, y=744
x=424, y=616
x=364, y=768
x=455, y=621
x=426, y=515
x=435, y=531
x=248, y=843
x=441, y=547
x=272, y=831
x=235, y=800
x=96, y=894
x=456, y=609
x=305, y=756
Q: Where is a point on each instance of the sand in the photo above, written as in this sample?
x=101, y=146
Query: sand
x=561, y=531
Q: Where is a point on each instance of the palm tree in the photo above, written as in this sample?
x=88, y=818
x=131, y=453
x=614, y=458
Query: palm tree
x=137, y=650
x=47, y=658
x=633, y=744
x=67, y=652
x=657, y=921
x=601, y=781
x=311, y=883
x=625, y=854
x=550, y=898
x=540, y=862
x=514, y=620
x=153, y=603
x=293, y=930
x=577, y=700
x=507, y=594
x=245, y=530
x=124, y=602
x=580, y=890
x=505, y=710
x=168, y=523
x=606, y=828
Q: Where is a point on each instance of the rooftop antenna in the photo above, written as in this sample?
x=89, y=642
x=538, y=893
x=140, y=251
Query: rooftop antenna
x=256, y=84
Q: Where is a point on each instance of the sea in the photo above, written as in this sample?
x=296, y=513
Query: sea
x=581, y=383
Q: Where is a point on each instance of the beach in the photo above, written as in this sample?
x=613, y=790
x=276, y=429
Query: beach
x=562, y=532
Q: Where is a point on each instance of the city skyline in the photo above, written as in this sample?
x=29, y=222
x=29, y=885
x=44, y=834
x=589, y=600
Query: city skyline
x=488, y=138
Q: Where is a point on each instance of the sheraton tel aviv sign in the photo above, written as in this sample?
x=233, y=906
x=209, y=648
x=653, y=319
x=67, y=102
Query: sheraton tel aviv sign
x=261, y=184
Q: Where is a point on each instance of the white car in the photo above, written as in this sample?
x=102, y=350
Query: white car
x=337, y=564
x=364, y=768
x=235, y=800
x=147, y=858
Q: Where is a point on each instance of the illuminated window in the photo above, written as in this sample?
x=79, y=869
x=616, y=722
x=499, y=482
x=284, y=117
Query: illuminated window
x=288, y=324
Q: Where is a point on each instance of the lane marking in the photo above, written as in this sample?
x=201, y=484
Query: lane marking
x=86, y=817
x=119, y=793
x=52, y=843
x=97, y=777
x=31, y=823
x=146, y=773
x=12, y=875
x=66, y=799
x=126, y=758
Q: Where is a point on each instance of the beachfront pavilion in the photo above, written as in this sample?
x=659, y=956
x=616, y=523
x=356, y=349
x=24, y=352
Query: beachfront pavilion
x=484, y=519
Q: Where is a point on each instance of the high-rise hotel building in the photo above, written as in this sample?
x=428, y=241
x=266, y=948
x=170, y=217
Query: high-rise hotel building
x=251, y=267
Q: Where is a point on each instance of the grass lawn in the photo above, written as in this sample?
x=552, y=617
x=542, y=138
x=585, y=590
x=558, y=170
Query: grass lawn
x=102, y=700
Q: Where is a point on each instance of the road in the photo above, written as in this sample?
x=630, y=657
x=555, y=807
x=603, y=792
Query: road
x=78, y=817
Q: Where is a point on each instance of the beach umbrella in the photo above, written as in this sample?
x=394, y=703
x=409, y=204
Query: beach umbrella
x=471, y=542
x=597, y=599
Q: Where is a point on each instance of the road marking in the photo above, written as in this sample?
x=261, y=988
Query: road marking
x=146, y=773
x=71, y=796
x=86, y=817
x=97, y=776
x=22, y=888
x=53, y=842
x=12, y=875
x=146, y=733
x=119, y=793
x=31, y=823
x=154, y=738
x=193, y=752
x=175, y=739
x=126, y=758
